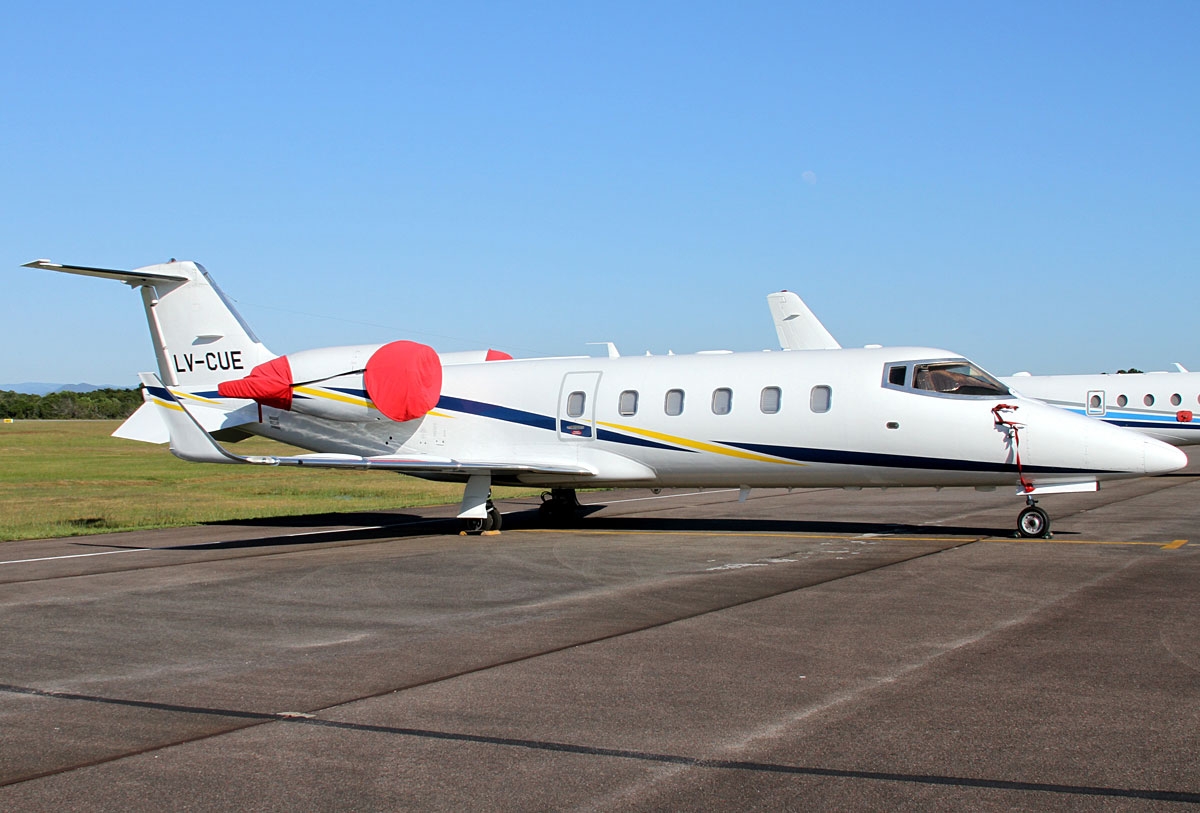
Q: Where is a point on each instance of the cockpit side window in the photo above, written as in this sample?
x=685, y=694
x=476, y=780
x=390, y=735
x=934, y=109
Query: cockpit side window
x=956, y=378
x=896, y=374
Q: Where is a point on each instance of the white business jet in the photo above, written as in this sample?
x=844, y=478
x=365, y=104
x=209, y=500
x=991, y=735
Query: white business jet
x=880, y=417
x=1161, y=405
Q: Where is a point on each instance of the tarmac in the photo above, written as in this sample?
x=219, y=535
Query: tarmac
x=806, y=650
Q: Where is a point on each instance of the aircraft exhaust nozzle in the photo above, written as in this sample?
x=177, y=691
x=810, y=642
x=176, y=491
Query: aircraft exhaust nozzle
x=400, y=380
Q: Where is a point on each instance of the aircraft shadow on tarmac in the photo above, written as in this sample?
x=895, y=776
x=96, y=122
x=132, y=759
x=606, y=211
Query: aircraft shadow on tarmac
x=395, y=526
x=529, y=519
x=316, y=529
x=310, y=521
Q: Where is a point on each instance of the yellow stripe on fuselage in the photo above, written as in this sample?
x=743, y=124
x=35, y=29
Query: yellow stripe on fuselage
x=180, y=394
x=698, y=445
x=312, y=392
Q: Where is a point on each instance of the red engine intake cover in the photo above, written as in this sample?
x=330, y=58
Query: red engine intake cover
x=404, y=379
x=270, y=384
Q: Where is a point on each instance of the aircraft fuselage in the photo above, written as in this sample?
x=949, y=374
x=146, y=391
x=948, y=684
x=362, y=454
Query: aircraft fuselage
x=802, y=418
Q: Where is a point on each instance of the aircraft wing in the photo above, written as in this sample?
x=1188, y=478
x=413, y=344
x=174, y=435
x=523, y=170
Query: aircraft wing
x=148, y=426
x=190, y=441
x=797, y=326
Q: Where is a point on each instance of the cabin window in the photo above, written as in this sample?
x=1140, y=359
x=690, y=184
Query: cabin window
x=1122, y=400
x=956, y=378
x=627, y=403
x=897, y=374
x=769, y=400
x=1148, y=400
x=575, y=402
x=1094, y=401
x=722, y=401
x=821, y=398
x=674, y=402
x=1176, y=400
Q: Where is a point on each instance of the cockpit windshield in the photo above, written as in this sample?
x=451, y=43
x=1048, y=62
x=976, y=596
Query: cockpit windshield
x=956, y=378
x=946, y=377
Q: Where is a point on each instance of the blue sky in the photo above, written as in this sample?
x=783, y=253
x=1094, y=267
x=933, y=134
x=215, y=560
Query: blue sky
x=1013, y=181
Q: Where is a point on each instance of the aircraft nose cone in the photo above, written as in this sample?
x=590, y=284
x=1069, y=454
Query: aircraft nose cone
x=1162, y=457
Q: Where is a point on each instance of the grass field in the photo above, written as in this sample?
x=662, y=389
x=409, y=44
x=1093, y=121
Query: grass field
x=64, y=478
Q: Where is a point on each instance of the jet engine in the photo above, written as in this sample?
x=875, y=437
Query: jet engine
x=400, y=380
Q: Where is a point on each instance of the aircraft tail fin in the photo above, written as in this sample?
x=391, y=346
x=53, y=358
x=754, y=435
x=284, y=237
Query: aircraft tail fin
x=199, y=337
x=798, y=328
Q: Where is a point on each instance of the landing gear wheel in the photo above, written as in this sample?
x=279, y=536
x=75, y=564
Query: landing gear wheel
x=559, y=506
x=491, y=522
x=1033, y=523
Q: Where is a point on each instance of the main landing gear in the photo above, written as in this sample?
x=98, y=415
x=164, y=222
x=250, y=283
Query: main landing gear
x=559, y=505
x=479, y=513
x=1033, y=522
x=489, y=523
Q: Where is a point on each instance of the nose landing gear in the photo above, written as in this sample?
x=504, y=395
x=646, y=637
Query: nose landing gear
x=1033, y=522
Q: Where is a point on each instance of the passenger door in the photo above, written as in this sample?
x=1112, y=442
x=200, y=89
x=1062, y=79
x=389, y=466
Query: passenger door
x=577, y=406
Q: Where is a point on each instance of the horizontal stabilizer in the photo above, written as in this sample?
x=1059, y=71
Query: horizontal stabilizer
x=135, y=278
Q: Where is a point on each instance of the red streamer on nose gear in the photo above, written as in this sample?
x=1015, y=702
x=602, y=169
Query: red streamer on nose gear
x=1016, y=437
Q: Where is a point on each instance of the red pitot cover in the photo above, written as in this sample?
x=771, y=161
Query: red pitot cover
x=270, y=384
x=404, y=379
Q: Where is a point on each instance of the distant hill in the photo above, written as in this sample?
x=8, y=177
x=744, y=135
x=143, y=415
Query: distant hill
x=42, y=388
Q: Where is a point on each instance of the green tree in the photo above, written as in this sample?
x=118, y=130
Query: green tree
x=106, y=403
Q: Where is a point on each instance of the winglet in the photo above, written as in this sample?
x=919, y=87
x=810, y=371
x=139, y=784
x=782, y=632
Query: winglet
x=189, y=441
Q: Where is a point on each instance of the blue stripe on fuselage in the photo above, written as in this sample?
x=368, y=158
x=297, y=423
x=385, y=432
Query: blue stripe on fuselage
x=894, y=461
x=518, y=416
x=1137, y=420
x=533, y=419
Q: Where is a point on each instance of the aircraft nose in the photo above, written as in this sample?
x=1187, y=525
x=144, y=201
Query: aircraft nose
x=1161, y=458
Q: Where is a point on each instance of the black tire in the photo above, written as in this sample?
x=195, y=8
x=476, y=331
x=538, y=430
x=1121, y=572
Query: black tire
x=1033, y=523
x=494, y=520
